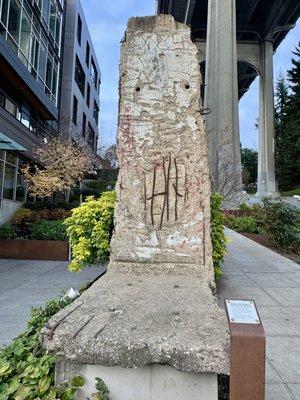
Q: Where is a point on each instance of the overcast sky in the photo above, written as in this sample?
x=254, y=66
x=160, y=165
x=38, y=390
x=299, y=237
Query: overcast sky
x=107, y=22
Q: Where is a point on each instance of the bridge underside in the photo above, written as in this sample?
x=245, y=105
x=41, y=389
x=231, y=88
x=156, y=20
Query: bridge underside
x=236, y=41
x=256, y=21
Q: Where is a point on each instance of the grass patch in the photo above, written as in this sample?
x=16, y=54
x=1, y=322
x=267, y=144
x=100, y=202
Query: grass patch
x=291, y=193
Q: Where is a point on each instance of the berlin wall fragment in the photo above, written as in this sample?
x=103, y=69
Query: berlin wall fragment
x=156, y=304
x=162, y=216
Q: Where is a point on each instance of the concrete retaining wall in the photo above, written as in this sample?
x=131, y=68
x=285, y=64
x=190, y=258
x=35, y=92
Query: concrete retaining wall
x=154, y=382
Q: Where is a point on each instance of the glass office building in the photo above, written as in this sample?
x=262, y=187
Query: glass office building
x=47, y=77
x=32, y=28
x=31, y=33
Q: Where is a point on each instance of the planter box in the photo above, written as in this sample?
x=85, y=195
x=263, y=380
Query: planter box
x=52, y=250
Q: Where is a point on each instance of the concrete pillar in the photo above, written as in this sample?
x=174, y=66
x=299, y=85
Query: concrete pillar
x=266, y=183
x=222, y=98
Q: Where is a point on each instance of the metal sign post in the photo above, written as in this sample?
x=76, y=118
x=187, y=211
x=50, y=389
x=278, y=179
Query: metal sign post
x=248, y=351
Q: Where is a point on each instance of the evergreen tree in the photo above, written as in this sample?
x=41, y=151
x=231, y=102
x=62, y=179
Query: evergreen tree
x=281, y=99
x=294, y=74
x=287, y=127
x=249, y=163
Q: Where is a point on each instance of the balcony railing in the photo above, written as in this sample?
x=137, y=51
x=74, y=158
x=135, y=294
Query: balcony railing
x=39, y=128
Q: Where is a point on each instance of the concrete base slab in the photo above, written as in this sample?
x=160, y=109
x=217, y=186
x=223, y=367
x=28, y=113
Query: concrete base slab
x=131, y=321
x=155, y=382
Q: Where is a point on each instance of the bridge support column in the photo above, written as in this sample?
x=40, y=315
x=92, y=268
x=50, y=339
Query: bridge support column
x=221, y=96
x=266, y=182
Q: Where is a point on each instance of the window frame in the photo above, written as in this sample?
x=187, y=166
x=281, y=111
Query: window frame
x=79, y=29
x=75, y=110
x=87, y=54
x=78, y=75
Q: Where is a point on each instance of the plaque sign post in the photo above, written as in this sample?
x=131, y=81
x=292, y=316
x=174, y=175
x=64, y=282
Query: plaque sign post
x=248, y=351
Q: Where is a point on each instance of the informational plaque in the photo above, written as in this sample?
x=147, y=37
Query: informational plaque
x=247, y=351
x=242, y=312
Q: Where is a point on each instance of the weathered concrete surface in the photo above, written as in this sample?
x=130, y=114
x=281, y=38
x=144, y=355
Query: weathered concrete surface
x=155, y=382
x=156, y=303
x=162, y=213
x=136, y=320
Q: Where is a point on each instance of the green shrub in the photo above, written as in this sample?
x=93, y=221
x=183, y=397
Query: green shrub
x=281, y=223
x=218, y=237
x=56, y=214
x=241, y=224
x=26, y=372
x=102, y=390
x=89, y=230
x=48, y=230
x=244, y=207
x=48, y=205
x=8, y=231
x=291, y=193
x=23, y=216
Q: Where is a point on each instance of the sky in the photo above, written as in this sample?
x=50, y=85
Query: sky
x=107, y=21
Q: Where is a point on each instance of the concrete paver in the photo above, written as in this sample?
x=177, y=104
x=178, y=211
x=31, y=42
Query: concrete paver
x=295, y=389
x=25, y=283
x=275, y=288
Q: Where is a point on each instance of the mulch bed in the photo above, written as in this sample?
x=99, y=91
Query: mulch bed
x=264, y=241
x=223, y=387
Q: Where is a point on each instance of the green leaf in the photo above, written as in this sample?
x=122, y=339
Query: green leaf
x=44, y=384
x=13, y=385
x=68, y=394
x=22, y=393
x=77, y=382
x=4, y=368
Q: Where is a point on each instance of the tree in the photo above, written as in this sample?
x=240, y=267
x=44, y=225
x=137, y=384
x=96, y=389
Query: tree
x=108, y=157
x=107, y=174
x=281, y=99
x=63, y=164
x=249, y=164
x=287, y=127
x=294, y=74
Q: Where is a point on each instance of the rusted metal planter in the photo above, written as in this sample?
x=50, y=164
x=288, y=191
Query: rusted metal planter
x=18, y=249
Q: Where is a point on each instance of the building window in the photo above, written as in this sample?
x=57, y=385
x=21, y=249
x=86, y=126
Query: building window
x=46, y=10
x=75, y=110
x=96, y=112
x=91, y=136
x=21, y=182
x=87, y=54
x=12, y=183
x=14, y=19
x=79, y=76
x=4, y=12
x=52, y=19
x=94, y=73
x=34, y=34
x=25, y=35
x=83, y=124
x=79, y=29
x=88, y=95
x=9, y=177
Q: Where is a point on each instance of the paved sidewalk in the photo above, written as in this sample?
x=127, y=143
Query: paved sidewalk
x=31, y=283
x=252, y=271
